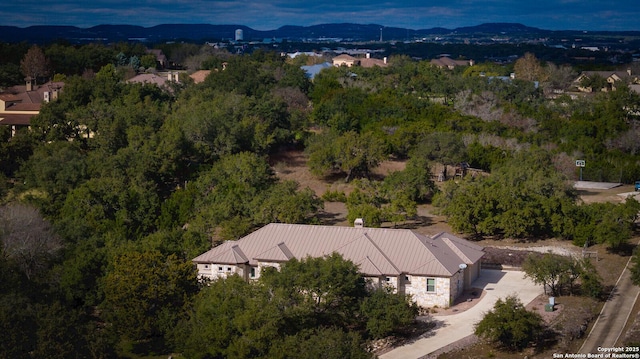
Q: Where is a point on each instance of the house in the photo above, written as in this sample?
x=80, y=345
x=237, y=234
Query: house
x=161, y=58
x=447, y=62
x=368, y=61
x=345, y=60
x=18, y=104
x=163, y=81
x=613, y=79
x=433, y=270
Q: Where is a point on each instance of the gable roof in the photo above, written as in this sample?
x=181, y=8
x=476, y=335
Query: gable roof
x=610, y=76
x=18, y=106
x=36, y=96
x=445, y=61
x=371, y=62
x=148, y=78
x=378, y=251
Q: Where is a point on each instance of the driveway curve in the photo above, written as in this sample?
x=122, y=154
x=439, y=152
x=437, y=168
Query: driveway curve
x=451, y=328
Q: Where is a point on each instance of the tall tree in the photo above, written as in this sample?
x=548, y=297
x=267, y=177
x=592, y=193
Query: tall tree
x=34, y=64
x=528, y=68
x=27, y=240
x=145, y=292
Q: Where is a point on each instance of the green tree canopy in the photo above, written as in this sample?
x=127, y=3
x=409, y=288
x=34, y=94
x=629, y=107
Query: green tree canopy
x=524, y=197
x=510, y=324
x=350, y=153
x=145, y=293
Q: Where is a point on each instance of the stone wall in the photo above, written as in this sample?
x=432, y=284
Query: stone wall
x=417, y=288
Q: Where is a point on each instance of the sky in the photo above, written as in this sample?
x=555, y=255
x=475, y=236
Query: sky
x=609, y=15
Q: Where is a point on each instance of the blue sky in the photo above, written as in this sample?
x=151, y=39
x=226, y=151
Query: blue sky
x=610, y=15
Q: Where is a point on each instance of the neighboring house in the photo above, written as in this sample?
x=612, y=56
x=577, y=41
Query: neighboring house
x=447, y=62
x=345, y=60
x=158, y=80
x=433, y=270
x=161, y=59
x=613, y=78
x=367, y=61
x=371, y=62
x=18, y=104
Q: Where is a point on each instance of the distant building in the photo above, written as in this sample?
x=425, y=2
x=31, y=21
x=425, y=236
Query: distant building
x=613, y=78
x=367, y=61
x=239, y=35
x=155, y=78
x=161, y=59
x=18, y=104
x=345, y=60
x=447, y=62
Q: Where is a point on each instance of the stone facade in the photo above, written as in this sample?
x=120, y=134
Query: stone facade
x=215, y=271
x=417, y=288
x=446, y=289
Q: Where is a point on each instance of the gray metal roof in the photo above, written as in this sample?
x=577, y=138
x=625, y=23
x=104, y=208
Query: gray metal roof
x=378, y=251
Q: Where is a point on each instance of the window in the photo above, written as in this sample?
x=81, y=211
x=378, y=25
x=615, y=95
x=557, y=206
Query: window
x=206, y=266
x=431, y=284
x=219, y=269
x=388, y=279
x=252, y=273
x=228, y=269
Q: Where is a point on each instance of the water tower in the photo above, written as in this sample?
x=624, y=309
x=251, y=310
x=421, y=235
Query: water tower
x=239, y=35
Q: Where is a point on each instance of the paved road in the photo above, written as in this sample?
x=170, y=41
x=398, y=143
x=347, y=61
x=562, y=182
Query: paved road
x=614, y=315
x=451, y=328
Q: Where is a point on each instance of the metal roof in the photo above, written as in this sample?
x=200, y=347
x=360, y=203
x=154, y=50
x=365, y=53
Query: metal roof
x=378, y=251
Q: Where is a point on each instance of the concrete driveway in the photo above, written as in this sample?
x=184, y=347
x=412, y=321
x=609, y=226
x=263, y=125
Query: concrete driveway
x=451, y=328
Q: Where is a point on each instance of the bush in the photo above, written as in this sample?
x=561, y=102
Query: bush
x=334, y=196
x=510, y=324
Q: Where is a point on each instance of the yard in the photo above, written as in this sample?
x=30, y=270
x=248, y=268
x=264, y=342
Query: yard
x=573, y=316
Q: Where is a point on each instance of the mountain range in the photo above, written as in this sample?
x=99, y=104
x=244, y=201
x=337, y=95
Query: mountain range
x=206, y=32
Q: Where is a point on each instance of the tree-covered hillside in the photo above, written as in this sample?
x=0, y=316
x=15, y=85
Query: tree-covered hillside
x=117, y=186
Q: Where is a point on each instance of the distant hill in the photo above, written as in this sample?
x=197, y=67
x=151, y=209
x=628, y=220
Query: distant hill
x=207, y=32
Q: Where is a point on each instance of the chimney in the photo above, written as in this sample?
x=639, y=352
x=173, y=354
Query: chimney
x=358, y=223
x=368, y=55
x=29, y=84
x=175, y=77
x=384, y=59
x=170, y=76
x=47, y=96
x=629, y=72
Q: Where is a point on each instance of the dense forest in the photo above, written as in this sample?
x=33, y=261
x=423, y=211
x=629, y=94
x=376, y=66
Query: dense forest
x=117, y=186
